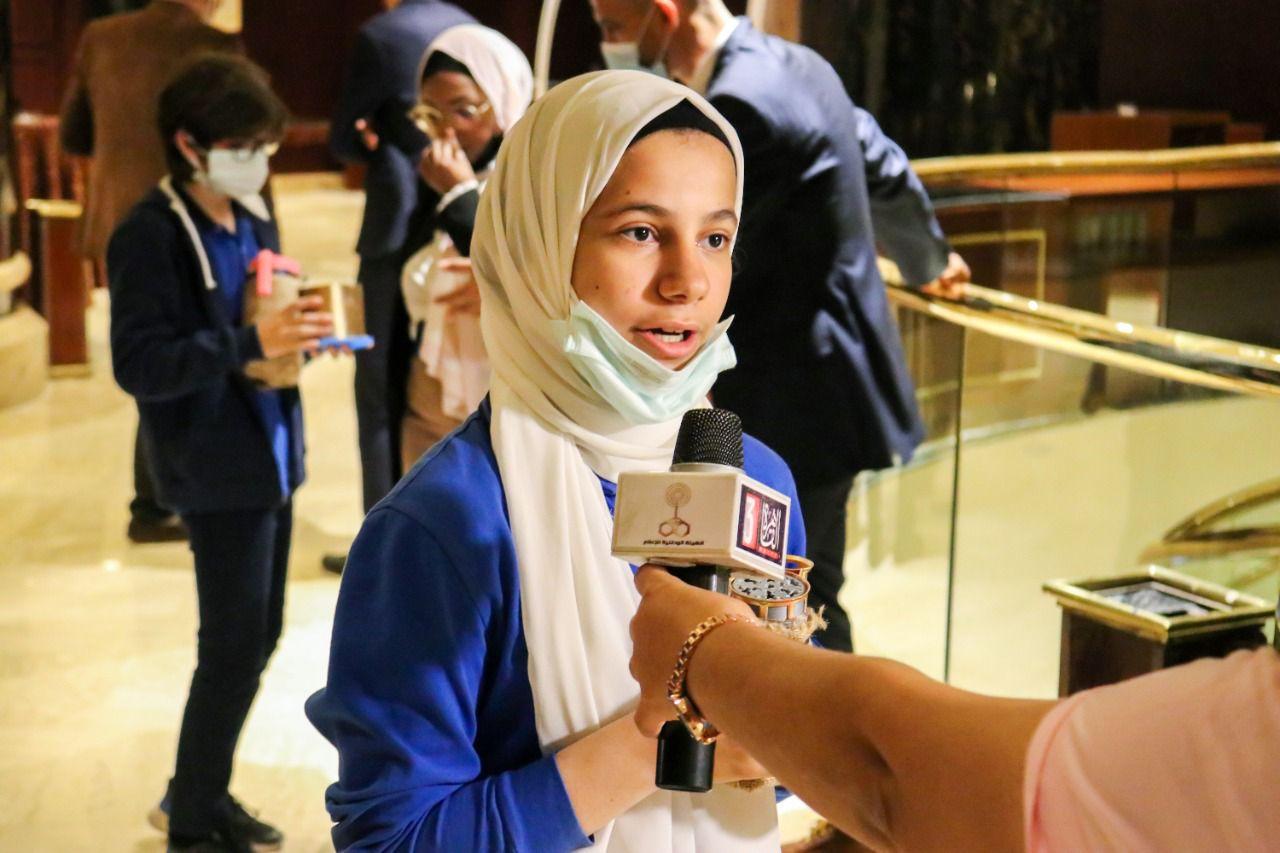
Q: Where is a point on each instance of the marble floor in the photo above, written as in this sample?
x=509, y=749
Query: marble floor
x=96, y=634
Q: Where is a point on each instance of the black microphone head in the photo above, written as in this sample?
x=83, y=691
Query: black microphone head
x=712, y=436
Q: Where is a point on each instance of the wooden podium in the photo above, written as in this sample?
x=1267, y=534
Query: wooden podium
x=60, y=283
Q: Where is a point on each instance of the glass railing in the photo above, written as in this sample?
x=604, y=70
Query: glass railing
x=1181, y=238
x=1062, y=444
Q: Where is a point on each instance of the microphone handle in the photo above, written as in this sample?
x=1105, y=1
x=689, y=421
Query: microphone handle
x=683, y=763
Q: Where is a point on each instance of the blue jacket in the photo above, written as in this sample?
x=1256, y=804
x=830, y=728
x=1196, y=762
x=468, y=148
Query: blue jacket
x=380, y=87
x=821, y=376
x=174, y=350
x=428, y=699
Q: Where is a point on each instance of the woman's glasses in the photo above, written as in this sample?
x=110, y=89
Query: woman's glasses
x=429, y=118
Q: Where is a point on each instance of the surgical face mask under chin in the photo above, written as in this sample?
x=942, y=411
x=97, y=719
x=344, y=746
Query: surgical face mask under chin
x=625, y=55
x=643, y=390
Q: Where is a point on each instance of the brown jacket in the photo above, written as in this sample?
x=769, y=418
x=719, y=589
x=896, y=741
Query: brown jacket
x=109, y=113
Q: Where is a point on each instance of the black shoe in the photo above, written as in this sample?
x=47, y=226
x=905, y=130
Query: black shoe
x=244, y=825
x=241, y=832
x=164, y=529
x=334, y=563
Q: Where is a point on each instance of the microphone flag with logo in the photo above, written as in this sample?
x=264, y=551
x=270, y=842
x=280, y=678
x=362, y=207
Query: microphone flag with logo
x=703, y=519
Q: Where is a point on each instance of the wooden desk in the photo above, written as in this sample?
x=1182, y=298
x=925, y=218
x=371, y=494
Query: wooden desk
x=1142, y=131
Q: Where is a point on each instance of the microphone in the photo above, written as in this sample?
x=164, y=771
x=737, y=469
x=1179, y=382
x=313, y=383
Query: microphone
x=705, y=511
x=701, y=519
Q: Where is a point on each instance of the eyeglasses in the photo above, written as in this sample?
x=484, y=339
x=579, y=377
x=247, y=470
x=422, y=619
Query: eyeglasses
x=429, y=118
x=246, y=151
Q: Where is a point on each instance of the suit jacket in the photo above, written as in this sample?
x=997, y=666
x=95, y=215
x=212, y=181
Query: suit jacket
x=821, y=376
x=109, y=111
x=381, y=87
x=173, y=349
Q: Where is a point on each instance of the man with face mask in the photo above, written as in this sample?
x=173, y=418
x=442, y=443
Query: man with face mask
x=109, y=114
x=821, y=375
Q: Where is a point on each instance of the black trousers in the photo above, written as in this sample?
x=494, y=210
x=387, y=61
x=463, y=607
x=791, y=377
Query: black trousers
x=825, y=510
x=382, y=376
x=145, y=506
x=241, y=559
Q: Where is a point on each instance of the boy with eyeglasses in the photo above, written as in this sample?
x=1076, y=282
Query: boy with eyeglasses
x=226, y=452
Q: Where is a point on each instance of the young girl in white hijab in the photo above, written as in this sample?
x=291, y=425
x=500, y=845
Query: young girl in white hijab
x=478, y=689
x=474, y=84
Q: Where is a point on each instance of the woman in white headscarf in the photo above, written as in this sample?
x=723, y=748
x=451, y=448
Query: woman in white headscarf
x=474, y=84
x=478, y=689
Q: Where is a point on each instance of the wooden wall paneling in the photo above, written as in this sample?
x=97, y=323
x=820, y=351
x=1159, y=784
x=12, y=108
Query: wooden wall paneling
x=305, y=45
x=1199, y=56
x=43, y=36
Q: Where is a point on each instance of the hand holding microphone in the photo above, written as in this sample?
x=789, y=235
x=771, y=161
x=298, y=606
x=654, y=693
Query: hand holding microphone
x=669, y=610
x=704, y=519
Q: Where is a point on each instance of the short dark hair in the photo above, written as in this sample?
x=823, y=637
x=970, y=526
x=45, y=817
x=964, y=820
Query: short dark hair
x=217, y=97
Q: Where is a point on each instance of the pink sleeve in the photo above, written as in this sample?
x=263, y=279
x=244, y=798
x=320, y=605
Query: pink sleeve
x=1184, y=759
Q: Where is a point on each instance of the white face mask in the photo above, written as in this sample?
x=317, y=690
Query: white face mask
x=625, y=55
x=237, y=172
x=641, y=388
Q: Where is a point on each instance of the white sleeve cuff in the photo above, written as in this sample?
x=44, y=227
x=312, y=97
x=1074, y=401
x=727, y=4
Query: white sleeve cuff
x=461, y=189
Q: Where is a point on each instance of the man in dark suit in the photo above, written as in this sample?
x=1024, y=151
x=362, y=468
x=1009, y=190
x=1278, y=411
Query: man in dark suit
x=821, y=376
x=371, y=127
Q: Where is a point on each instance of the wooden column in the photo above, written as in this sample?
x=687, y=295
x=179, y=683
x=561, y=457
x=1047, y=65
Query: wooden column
x=60, y=283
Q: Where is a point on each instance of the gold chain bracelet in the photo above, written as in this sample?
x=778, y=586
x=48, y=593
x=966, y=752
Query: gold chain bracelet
x=701, y=729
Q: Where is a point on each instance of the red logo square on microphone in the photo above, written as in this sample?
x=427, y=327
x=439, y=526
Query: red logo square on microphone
x=762, y=522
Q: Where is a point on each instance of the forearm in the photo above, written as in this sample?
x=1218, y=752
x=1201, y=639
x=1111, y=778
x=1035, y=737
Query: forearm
x=902, y=214
x=775, y=698
x=607, y=772
x=151, y=367
x=892, y=757
x=458, y=219
x=907, y=230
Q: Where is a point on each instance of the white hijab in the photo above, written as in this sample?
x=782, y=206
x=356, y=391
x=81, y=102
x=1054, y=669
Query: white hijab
x=452, y=349
x=552, y=435
x=496, y=64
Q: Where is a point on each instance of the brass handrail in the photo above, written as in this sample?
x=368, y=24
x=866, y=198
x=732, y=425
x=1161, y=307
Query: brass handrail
x=978, y=166
x=1207, y=362
x=1193, y=536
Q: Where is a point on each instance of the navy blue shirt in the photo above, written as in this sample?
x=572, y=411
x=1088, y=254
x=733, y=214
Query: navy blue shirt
x=428, y=698
x=229, y=257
